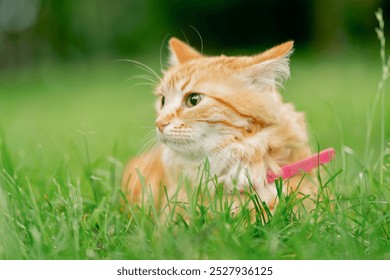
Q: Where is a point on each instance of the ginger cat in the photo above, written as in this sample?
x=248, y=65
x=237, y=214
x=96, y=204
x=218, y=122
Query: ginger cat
x=228, y=110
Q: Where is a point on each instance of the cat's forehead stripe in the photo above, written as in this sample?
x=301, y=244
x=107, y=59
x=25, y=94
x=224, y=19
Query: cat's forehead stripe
x=185, y=84
x=172, y=81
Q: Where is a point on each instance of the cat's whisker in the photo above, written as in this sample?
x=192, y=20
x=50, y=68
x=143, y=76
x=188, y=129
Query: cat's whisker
x=212, y=133
x=185, y=37
x=161, y=48
x=200, y=38
x=151, y=135
x=142, y=66
x=222, y=153
x=144, y=77
x=150, y=141
x=188, y=147
x=141, y=84
x=216, y=151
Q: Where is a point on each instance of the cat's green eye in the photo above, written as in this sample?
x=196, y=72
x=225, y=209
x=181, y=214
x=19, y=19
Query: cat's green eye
x=162, y=101
x=193, y=99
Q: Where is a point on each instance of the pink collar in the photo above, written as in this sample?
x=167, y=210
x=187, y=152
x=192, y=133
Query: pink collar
x=305, y=165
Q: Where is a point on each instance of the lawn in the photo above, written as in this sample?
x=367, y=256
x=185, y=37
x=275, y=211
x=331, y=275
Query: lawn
x=68, y=129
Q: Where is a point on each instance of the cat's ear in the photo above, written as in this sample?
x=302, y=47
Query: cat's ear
x=180, y=52
x=270, y=68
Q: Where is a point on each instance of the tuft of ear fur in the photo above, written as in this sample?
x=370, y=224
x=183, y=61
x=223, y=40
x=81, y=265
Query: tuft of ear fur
x=180, y=52
x=270, y=68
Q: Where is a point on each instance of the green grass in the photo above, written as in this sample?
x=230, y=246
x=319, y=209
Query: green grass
x=67, y=131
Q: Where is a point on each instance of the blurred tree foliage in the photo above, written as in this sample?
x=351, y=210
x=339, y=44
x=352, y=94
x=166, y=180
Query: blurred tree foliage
x=36, y=30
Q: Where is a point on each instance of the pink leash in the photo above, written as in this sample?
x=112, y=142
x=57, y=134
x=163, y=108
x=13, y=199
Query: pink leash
x=305, y=165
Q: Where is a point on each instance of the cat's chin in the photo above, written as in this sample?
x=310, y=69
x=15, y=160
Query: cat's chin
x=184, y=147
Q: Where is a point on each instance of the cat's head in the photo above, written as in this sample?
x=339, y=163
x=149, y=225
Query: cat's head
x=208, y=102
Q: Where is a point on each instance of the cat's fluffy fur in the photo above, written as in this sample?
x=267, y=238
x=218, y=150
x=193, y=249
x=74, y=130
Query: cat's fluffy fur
x=241, y=124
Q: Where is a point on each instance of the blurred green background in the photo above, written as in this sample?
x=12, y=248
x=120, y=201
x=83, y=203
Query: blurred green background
x=61, y=81
x=33, y=31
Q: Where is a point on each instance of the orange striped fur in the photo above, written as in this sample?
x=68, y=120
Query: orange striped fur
x=241, y=124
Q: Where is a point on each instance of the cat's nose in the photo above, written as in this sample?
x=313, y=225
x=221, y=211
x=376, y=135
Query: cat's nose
x=161, y=124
